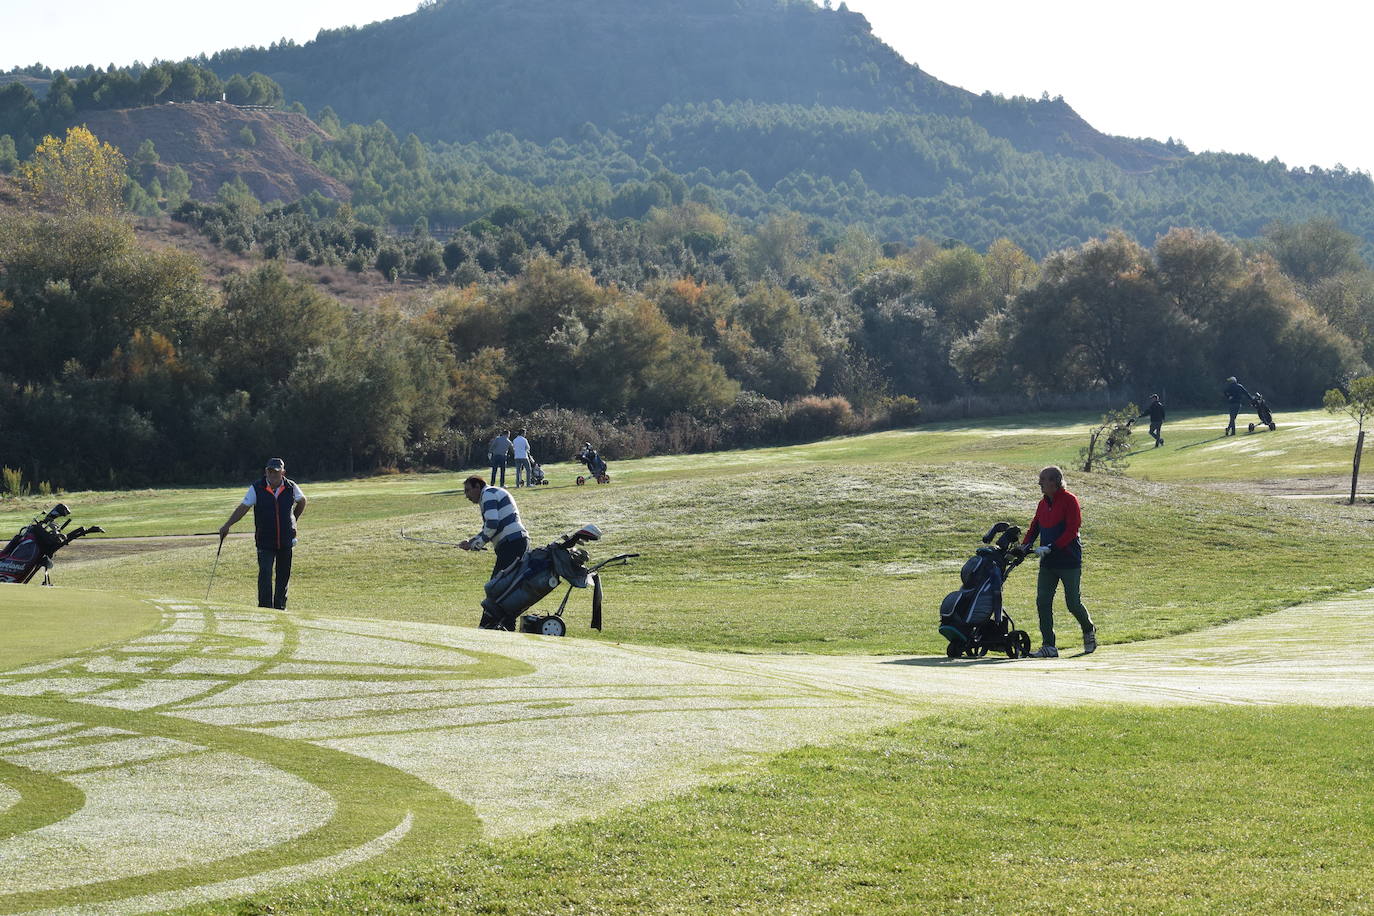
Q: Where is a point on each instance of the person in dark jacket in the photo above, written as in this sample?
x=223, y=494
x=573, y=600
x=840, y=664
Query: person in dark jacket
x=277, y=503
x=1057, y=520
x=1236, y=397
x=1155, y=411
x=499, y=450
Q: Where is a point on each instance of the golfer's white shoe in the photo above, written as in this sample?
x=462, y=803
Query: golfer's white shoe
x=1044, y=652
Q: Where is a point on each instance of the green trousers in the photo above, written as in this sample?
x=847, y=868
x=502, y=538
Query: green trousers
x=1045, y=587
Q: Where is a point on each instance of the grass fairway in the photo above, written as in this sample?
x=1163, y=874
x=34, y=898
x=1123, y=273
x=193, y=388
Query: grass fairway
x=1090, y=810
x=845, y=545
x=767, y=724
x=42, y=623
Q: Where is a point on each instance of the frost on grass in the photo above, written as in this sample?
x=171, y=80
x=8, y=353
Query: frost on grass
x=163, y=815
x=202, y=665
x=150, y=693
x=106, y=754
x=54, y=685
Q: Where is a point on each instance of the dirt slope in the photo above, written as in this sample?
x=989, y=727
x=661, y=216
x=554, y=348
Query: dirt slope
x=206, y=139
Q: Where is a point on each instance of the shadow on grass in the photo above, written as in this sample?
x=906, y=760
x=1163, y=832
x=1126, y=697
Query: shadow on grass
x=935, y=661
x=1199, y=442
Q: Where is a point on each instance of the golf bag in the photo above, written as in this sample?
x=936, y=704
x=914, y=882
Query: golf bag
x=536, y=477
x=520, y=586
x=596, y=465
x=972, y=618
x=32, y=548
x=1266, y=416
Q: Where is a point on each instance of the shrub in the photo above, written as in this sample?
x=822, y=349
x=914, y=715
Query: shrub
x=813, y=417
x=903, y=410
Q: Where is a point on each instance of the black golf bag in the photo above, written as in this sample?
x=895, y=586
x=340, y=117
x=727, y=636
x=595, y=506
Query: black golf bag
x=596, y=465
x=1266, y=416
x=521, y=585
x=536, y=475
x=972, y=618
x=32, y=548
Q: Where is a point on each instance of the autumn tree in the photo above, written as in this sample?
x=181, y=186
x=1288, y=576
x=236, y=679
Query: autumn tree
x=77, y=172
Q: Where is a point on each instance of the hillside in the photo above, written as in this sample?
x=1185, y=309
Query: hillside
x=207, y=140
x=462, y=69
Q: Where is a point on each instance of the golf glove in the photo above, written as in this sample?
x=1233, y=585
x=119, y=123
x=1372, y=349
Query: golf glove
x=1042, y=552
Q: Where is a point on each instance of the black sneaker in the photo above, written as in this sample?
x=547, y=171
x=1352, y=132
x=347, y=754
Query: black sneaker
x=1090, y=641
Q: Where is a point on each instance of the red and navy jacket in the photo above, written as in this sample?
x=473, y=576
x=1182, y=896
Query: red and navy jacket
x=273, y=518
x=1057, y=523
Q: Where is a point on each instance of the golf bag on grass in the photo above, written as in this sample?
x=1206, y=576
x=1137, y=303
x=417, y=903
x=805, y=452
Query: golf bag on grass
x=1266, y=416
x=972, y=618
x=596, y=465
x=521, y=585
x=32, y=548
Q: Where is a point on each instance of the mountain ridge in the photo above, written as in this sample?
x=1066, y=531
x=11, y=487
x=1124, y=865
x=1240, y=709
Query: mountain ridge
x=618, y=62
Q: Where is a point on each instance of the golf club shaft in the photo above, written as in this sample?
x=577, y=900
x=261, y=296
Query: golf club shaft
x=210, y=584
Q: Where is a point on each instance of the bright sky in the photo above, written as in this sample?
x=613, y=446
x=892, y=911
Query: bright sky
x=1253, y=77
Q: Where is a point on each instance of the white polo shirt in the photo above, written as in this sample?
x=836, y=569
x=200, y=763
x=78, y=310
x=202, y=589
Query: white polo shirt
x=252, y=498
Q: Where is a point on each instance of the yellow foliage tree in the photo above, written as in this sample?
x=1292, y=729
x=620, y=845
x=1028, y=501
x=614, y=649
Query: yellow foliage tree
x=77, y=172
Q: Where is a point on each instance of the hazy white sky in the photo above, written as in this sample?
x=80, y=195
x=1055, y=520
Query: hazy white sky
x=1250, y=77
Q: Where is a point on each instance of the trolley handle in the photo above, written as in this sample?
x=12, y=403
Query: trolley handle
x=619, y=560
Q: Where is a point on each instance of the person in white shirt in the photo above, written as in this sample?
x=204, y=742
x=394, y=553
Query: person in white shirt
x=277, y=503
x=521, y=447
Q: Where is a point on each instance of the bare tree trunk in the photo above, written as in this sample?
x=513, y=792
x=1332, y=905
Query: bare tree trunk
x=1355, y=473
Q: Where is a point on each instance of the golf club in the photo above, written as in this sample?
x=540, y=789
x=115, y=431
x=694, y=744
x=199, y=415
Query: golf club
x=211, y=583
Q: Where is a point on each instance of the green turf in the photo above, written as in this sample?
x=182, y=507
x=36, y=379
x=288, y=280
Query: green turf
x=43, y=623
x=1089, y=810
x=841, y=546
x=826, y=557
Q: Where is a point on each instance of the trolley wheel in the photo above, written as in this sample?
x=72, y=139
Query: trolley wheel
x=1273, y=426
x=603, y=478
x=581, y=480
x=1023, y=643
x=1252, y=427
x=954, y=650
x=543, y=483
x=553, y=626
x=1012, y=649
x=976, y=651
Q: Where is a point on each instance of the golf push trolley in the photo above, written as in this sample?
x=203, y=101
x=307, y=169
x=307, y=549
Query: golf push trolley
x=972, y=618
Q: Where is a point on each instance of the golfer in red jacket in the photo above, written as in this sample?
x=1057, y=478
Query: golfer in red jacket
x=1057, y=520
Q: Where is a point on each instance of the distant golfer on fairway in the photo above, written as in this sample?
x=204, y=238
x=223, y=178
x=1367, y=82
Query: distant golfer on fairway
x=1236, y=397
x=277, y=503
x=1057, y=520
x=500, y=525
x=1155, y=411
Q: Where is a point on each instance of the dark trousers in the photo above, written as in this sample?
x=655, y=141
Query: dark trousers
x=498, y=464
x=281, y=558
x=1045, y=587
x=508, y=551
x=1157, y=433
x=1235, y=409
